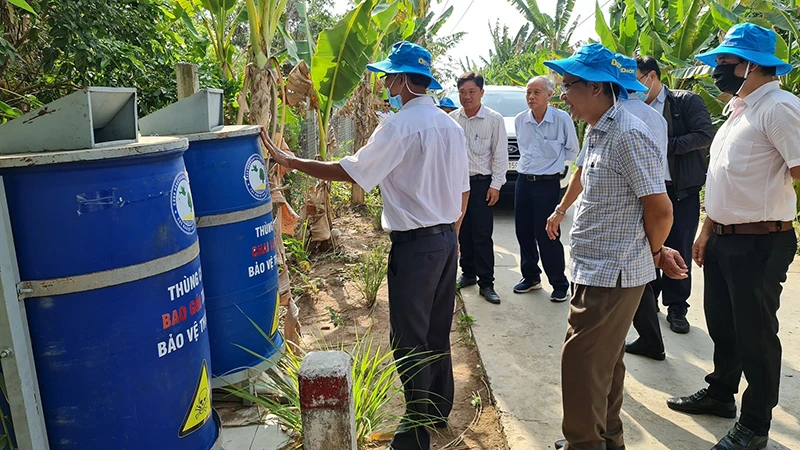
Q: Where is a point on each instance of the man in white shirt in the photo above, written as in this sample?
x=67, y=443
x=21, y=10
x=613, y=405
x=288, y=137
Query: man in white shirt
x=747, y=241
x=650, y=342
x=419, y=159
x=546, y=138
x=385, y=113
x=487, y=145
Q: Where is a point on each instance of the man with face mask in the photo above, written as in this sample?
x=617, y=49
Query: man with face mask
x=616, y=244
x=747, y=241
x=419, y=159
x=690, y=133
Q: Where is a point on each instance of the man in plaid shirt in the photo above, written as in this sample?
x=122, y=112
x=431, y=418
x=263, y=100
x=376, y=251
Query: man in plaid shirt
x=617, y=238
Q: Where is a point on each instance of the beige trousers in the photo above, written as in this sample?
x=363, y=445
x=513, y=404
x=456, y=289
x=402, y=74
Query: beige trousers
x=592, y=371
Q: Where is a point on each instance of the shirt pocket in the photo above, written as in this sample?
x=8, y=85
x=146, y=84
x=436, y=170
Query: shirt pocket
x=551, y=148
x=480, y=146
x=736, y=154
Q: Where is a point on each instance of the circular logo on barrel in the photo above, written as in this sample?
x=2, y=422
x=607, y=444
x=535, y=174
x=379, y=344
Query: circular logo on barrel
x=255, y=177
x=182, y=204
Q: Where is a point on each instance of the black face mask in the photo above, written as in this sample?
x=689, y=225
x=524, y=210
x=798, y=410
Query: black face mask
x=725, y=80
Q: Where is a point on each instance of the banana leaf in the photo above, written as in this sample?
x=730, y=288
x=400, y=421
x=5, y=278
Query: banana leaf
x=342, y=55
x=23, y=5
x=685, y=36
x=607, y=37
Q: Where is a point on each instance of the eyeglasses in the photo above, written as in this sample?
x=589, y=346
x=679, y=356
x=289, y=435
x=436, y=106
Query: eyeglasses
x=565, y=86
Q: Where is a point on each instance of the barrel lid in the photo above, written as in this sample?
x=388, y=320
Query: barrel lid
x=146, y=145
x=226, y=132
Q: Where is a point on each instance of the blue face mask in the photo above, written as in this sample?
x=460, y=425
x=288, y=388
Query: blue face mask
x=642, y=96
x=395, y=102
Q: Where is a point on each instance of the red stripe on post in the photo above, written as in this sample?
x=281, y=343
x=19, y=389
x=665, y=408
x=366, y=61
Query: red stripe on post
x=323, y=392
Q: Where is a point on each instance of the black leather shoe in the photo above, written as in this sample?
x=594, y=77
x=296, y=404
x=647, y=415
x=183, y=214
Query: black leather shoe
x=563, y=443
x=701, y=403
x=463, y=282
x=741, y=438
x=490, y=295
x=637, y=348
x=677, y=322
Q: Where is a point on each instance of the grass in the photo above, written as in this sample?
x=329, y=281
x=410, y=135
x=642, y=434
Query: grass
x=369, y=273
x=376, y=386
x=464, y=327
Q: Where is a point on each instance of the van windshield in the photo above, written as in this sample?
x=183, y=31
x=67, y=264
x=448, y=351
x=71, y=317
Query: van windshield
x=507, y=103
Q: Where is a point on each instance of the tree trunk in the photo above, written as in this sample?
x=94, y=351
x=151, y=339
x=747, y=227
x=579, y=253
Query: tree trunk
x=260, y=96
x=365, y=121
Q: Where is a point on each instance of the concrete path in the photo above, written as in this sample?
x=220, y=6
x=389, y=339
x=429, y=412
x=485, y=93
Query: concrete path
x=520, y=344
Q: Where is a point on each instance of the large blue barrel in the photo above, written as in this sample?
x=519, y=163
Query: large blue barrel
x=107, y=249
x=240, y=273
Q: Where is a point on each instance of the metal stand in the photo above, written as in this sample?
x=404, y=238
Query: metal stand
x=19, y=371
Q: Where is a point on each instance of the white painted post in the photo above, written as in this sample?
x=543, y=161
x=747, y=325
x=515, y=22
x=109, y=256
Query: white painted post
x=19, y=371
x=326, y=401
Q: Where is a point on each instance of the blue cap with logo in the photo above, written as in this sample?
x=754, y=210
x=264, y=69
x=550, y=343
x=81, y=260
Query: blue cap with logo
x=407, y=58
x=627, y=74
x=751, y=43
x=446, y=102
x=592, y=62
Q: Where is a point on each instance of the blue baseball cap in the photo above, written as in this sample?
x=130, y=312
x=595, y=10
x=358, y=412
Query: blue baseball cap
x=751, y=43
x=627, y=74
x=407, y=58
x=593, y=63
x=447, y=103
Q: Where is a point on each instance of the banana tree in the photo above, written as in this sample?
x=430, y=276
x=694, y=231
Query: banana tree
x=553, y=33
x=219, y=19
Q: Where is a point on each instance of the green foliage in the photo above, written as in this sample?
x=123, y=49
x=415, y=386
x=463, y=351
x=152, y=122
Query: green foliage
x=464, y=327
x=336, y=318
x=369, y=273
x=69, y=44
x=376, y=385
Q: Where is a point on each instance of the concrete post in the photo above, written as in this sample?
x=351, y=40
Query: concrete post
x=326, y=401
x=188, y=80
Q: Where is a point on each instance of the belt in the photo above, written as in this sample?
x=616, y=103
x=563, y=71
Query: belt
x=751, y=228
x=541, y=177
x=410, y=235
x=667, y=183
x=480, y=177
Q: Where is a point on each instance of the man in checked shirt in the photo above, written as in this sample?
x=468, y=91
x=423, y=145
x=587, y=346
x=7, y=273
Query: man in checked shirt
x=487, y=147
x=617, y=238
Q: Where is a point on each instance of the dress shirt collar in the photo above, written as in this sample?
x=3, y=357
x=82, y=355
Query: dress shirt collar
x=549, y=116
x=480, y=114
x=422, y=100
x=759, y=93
x=606, y=121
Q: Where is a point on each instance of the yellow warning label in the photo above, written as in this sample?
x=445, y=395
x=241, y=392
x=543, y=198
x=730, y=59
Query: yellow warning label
x=200, y=410
x=276, y=320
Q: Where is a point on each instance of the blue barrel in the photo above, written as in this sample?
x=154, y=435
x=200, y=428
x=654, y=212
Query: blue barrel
x=240, y=271
x=107, y=250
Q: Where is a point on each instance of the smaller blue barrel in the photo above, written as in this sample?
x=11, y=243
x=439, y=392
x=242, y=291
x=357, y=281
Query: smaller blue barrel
x=107, y=250
x=237, y=238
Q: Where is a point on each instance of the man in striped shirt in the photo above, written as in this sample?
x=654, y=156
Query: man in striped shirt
x=487, y=145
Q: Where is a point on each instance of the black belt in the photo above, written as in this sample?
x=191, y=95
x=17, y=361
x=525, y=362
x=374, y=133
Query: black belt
x=480, y=177
x=540, y=177
x=410, y=235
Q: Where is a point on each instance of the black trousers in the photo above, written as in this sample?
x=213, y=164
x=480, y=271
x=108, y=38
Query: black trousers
x=674, y=293
x=646, y=321
x=685, y=217
x=477, y=248
x=534, y=201
x=743, y=276
x=422, y=292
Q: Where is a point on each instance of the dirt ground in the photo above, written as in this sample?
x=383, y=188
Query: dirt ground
x=470, y=427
